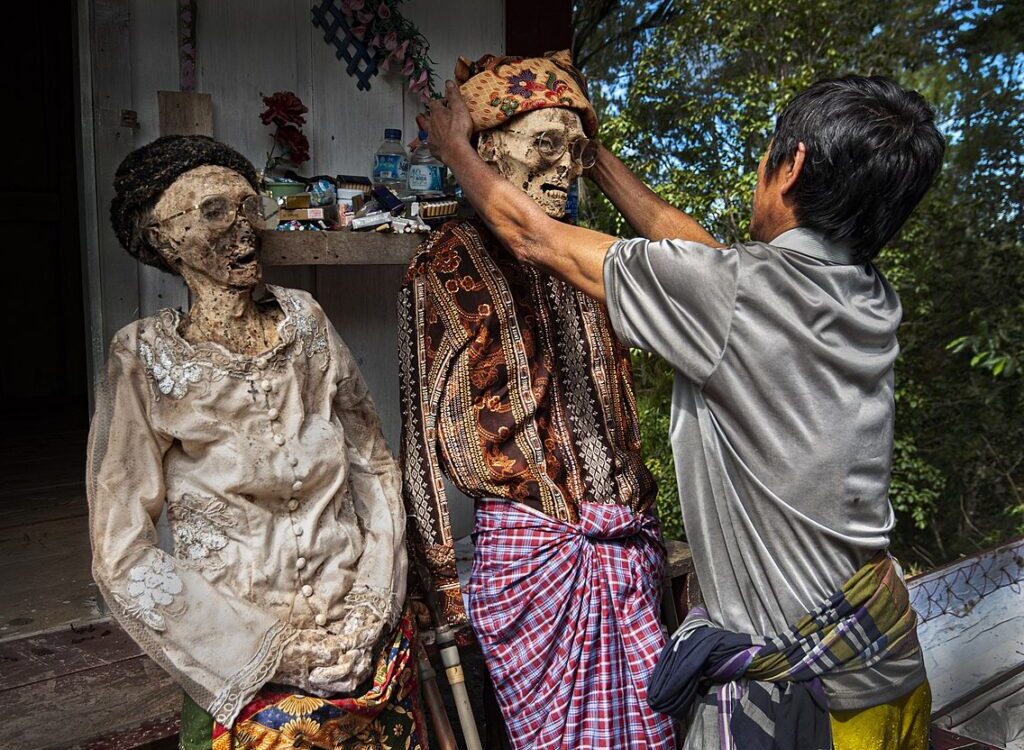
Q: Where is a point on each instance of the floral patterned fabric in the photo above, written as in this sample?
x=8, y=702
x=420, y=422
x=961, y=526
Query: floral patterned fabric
x=513, y=386
x=387, y=715
x=498, y=88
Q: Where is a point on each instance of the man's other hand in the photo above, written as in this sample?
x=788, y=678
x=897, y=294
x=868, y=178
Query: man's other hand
x=448, y=123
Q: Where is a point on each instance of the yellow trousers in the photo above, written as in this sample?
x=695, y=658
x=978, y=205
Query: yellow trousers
x=899, y=725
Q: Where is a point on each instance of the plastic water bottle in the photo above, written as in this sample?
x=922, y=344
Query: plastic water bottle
x=426, y=174
x=391, y=162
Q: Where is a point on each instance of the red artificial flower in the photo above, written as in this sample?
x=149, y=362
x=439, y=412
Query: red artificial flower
x=282, y=108
x=297, y=144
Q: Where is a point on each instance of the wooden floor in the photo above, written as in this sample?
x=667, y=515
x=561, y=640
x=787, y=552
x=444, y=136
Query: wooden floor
x=68, y=675
x=45, y=579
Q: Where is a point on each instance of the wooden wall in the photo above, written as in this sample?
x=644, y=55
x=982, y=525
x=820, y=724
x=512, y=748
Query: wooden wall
x=245, y=49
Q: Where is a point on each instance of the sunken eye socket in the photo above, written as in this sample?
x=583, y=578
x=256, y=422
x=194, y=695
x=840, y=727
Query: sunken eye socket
x=215, y=209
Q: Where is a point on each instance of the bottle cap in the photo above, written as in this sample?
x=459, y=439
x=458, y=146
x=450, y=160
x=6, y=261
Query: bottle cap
x=392, y=134
x=423, y=136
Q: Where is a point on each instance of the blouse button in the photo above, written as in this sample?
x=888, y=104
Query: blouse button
x=293, y=461
x=262, y=363
x=298, y=531
x=297, y=485
x=321, y=619
x=307, y=591
x=265, y=385
x=293, y=504
x=273, y=413
x=279, y=439
x=300, y=563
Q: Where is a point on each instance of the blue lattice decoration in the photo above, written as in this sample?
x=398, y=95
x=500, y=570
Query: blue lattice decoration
x=361, y=64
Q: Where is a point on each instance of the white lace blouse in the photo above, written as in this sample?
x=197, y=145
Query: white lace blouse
x=283, y=500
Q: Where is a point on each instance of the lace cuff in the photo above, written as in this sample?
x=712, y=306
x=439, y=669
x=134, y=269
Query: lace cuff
x=244, y=685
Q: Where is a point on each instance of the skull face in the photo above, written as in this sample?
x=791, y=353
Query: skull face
x=533, y=151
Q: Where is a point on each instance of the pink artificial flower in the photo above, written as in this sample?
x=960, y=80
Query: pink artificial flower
x=415, y=84
x=384, y=65
x=409, y=67
x=399, y=53
x=425, y=97
x=391, y=41
x=357, y=4
x=383, y=11
x=375, y=42
x=365, y=16
x=359, y=32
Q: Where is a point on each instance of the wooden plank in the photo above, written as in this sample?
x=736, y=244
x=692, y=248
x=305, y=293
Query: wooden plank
x=361, y=302
x=247, y=49
x=104, y=700
x=338, y=248
x=28, y=660
x=185, y=113
x=155, y=69
x=453, y=28
x=111, y=276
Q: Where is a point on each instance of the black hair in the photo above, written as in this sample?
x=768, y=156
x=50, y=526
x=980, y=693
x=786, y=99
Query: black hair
x=872, y=152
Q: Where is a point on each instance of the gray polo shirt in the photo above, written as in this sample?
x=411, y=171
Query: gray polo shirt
x=782, y=421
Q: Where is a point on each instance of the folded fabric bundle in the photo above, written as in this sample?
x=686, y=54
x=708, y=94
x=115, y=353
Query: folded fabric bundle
x=768, y=690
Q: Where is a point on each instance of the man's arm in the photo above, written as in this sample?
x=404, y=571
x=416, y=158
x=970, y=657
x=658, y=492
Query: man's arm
x=645, y=211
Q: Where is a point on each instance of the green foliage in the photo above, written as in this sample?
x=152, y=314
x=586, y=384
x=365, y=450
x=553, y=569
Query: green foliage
x=690, y=106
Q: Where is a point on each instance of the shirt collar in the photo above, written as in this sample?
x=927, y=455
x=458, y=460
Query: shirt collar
x=813, y=243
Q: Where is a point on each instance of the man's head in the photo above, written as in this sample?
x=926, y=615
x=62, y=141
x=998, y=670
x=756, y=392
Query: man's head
x=532, y=118
x=850, y=158
x=188, y=205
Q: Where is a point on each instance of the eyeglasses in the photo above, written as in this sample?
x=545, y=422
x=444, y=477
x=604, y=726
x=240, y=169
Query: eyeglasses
x=551, y=144
x=220, y=213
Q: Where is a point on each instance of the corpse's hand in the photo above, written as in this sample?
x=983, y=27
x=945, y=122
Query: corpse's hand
x=447, y=123
x=323, y=663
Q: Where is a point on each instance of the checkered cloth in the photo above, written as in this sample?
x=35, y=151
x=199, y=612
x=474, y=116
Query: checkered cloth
x=768, y=690
x=567, y=617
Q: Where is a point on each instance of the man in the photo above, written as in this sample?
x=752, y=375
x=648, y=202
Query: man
x=516, y=389
x=782, y=413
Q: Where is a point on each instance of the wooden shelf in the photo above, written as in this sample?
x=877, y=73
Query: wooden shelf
x=343, y=247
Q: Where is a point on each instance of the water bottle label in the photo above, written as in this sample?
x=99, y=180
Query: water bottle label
x=426, y=178
x=390, y=167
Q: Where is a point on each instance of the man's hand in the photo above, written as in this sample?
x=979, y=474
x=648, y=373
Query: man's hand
x=448, y=123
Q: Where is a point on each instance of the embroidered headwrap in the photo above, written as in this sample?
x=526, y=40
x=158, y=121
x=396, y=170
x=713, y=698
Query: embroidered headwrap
x=499, y=88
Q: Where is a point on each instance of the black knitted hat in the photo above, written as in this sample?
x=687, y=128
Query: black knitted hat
x=148, y=171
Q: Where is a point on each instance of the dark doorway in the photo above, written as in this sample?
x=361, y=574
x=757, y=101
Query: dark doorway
x=43, y=374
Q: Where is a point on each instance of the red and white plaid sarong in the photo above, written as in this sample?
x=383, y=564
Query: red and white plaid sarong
x=567, y=617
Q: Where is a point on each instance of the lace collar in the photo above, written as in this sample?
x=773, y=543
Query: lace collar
x=174, y=364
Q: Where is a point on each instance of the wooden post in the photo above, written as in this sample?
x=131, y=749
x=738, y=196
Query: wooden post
x=185, y=113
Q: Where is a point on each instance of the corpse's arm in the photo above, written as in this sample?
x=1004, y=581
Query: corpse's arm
x=428, y=340
x=375, y=485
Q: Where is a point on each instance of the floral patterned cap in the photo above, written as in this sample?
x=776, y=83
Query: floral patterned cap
x=497, y=89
